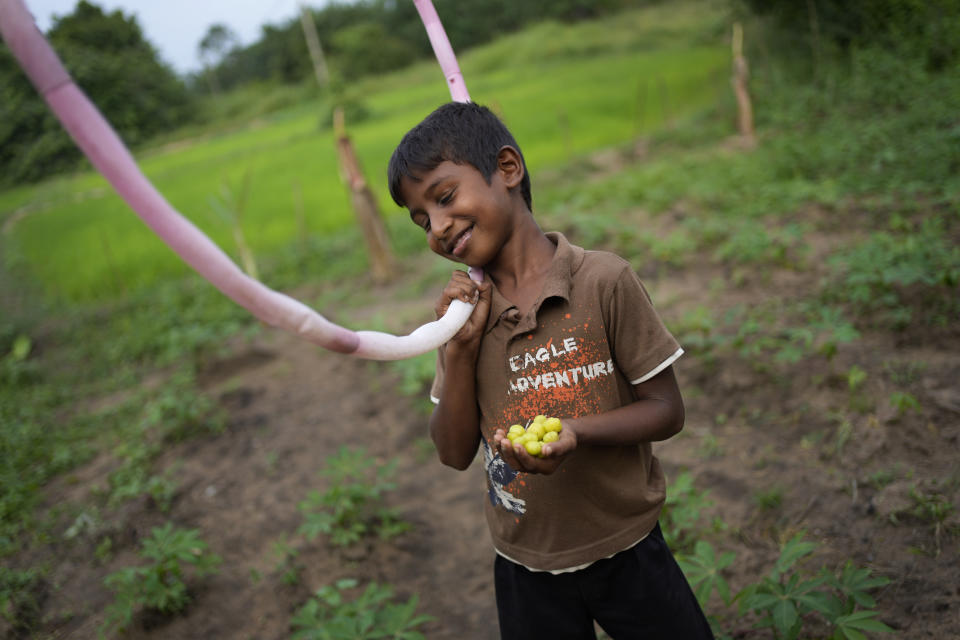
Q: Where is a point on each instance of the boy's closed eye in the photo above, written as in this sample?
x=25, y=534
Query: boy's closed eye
x=421, y=219
x=447, y=197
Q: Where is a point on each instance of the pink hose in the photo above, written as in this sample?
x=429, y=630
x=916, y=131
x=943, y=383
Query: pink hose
x=100, y=143
x=442, y=50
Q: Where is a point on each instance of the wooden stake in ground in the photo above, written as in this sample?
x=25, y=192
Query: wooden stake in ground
x=313, y=44
x=741, y=74
x=364, y=203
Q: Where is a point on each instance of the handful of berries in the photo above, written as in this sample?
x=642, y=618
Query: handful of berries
x=539, y=432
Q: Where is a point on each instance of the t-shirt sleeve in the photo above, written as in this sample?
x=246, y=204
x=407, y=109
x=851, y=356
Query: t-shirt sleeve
x=641, y=344
x=437, y=378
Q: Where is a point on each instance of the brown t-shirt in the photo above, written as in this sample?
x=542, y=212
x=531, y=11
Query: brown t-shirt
x=591, y=335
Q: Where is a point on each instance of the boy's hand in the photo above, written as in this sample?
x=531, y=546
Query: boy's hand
x=461, y=287
x=553, y=453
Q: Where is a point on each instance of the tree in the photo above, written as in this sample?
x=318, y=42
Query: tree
x=213, y=47
x=119, y=70
x=927, y=28
x=355, y=57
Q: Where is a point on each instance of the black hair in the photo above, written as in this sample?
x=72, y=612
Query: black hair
x=458, y=132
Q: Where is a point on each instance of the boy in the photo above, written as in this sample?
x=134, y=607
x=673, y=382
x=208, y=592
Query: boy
x=557, y=331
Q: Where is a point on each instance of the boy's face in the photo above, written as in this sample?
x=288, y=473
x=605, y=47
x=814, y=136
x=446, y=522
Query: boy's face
x=466, y=220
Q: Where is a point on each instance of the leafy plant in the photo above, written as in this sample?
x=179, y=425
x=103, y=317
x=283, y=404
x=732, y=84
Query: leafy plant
x=891, y=276
x=159, y=586
x=882, y=477
x=769, y=499
x=903, y=402
x=932, y=507
x=855, y=377
x=287, y=564
x=174, y=413
x=842, y=435
x=703, y=568
x=784, y=597
x=178, y=411
x=777, y=331
x=681, y=515
x=710, y=447
x=16, y=368
x=353, y=505
x=18, y=604
x=858, y=400
x=328, y=615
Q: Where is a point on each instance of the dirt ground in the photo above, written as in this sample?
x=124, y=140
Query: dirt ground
x=290, y=405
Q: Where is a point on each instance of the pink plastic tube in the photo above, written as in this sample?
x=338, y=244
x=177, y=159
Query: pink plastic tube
x=442, y=50
x=100, y=143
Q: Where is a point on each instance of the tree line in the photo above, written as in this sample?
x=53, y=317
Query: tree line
x=376, y=36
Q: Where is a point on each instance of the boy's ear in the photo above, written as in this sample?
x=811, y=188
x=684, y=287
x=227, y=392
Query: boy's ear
x=510, y=166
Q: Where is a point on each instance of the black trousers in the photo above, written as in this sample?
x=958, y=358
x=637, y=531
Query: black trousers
x=638, y=594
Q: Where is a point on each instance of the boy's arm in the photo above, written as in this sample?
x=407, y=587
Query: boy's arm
x=657, y=414
x=455, y=421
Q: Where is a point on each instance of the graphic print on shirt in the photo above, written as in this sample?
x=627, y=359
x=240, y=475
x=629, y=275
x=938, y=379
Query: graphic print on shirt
x=501, y=475
x=551, y=375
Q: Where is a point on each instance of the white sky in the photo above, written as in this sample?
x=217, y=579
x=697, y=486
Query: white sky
x=175, y=27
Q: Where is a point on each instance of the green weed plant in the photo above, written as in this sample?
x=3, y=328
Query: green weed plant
x=353, y=505
x=19, y=606
x=175, y=555
x=788, y=601
x=683, y=513
x=176, y=412
x=901, y=277
x=331, y=615
x=286, y=561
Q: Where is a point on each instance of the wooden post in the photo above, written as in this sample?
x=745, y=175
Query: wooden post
x=313, y=44
x=741, y=74
x=364, y=203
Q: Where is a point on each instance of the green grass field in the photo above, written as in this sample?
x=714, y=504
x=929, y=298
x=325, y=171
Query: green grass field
x=563, y=90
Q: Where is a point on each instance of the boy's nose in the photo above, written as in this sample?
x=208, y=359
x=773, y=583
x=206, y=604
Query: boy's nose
x=440, y=224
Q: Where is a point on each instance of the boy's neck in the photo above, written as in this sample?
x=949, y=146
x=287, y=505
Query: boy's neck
x=520, y=268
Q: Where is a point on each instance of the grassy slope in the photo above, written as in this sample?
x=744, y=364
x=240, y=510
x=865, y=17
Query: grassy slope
x=563, y=90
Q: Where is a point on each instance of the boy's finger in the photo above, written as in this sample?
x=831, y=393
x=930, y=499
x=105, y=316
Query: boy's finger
x=556, y=449
x=452, y=292
x=509, y=455
x=485, y=294
x=460, y=274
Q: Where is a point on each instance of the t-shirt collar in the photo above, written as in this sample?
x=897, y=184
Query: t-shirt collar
x=566, y=260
